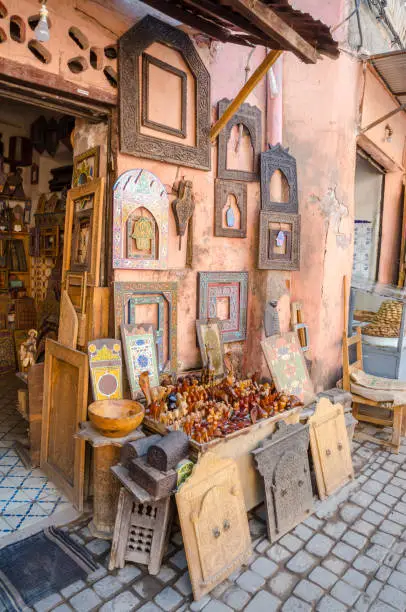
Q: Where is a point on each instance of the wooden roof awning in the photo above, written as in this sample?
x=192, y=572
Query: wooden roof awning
x=271, y=23
x=391, y=67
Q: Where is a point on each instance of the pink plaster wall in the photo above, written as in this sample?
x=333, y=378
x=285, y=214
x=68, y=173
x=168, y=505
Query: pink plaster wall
x=226, y=65
x=377, y=103
x=320, y=104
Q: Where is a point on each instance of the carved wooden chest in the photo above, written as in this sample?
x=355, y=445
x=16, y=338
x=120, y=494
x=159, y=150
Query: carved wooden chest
x=282, y=461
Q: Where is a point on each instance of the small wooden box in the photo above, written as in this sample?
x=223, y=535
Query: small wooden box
x=158, y=484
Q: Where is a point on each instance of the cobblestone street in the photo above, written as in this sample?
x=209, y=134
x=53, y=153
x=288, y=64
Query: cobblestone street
x=348, y=556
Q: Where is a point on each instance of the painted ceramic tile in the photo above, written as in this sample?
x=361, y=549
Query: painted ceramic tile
x=105, y=364
x=134, y=243
x=287, y=366
x=140, y=355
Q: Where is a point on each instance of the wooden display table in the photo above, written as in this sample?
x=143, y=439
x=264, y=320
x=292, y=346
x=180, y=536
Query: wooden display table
x=106, y=487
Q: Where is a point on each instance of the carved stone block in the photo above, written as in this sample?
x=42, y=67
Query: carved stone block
x=166, y=453
x=282, y=461
x=137, y=448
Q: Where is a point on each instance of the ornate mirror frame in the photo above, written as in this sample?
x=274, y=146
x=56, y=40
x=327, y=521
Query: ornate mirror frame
x=278, y=158
x=139, y=189
x=250, y=117
x=288, y=261
x=222, y=191
x=131, y=47
x=232, y=285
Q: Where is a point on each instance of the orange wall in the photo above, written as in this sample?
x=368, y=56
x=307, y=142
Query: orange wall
x=226, y=66
x=320, y=104
x=378, y=102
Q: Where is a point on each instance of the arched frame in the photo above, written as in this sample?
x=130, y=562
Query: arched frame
x=136, y=189
x=250, y=117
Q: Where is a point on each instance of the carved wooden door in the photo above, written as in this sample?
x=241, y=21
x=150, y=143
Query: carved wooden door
x=214, y=522
x=292, y=491
x=330, y=447
x=218, y=527
x=283, y=462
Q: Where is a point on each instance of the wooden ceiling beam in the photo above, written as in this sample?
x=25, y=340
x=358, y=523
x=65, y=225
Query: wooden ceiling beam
x=273, y=26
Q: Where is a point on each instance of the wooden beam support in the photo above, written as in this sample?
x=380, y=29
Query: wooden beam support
x=402, y=107
x=249, y=86
x=273, y=26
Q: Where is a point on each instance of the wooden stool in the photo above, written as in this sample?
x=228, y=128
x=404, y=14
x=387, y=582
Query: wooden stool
x=142, y=525
x=106, y=487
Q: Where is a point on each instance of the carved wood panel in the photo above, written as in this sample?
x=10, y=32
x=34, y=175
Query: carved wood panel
x=282, y=460
x=250, y=117
x=214, y=522
x=330, y=447
x=131, y=47
x=279, y=241
x=278, y=158
x=223, y=190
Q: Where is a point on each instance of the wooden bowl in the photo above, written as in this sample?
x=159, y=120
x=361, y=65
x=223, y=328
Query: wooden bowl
x=116, y=418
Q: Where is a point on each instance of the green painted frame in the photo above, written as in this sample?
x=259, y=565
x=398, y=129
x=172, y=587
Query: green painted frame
x=125, y=292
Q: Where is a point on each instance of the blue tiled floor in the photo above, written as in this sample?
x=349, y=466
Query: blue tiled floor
x=26, y=496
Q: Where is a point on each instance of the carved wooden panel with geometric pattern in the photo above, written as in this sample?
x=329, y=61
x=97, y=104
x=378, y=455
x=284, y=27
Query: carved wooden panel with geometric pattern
x=283, y=462
x=214, y=522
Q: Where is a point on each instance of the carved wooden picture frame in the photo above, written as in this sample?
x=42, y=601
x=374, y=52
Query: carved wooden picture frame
x=287, y=255
x=250, y=117
x=222, y=191
x=278, y=158
x=90, y=261
x=232, y=286
x=126, y=296
x=140, y=190
x=132, y=45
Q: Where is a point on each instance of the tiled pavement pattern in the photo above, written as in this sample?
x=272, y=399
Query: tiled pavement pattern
x=350, y=555
x=26, y=496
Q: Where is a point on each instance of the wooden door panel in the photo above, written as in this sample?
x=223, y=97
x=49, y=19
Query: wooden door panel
x=330, y=447
x=65, y=406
